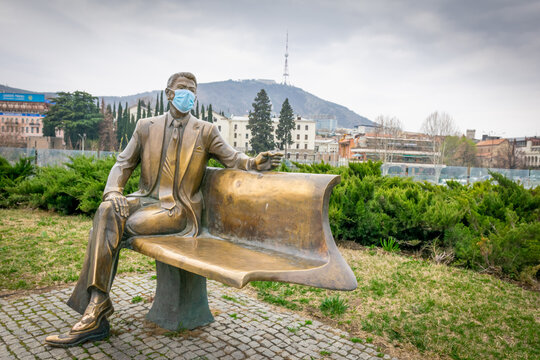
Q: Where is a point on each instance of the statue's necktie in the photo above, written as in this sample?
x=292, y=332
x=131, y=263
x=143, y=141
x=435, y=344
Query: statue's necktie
x=166, y=185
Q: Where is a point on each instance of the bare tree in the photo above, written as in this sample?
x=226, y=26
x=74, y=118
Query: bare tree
x=438, y=126
x=387, y=133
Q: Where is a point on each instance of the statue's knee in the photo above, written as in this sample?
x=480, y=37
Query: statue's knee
x=106, y=207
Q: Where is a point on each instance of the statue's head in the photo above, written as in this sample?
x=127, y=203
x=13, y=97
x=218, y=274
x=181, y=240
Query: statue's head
x=181, y=80
x=181, y=92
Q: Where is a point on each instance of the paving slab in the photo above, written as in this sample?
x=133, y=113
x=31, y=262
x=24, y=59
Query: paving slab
x=244, y=328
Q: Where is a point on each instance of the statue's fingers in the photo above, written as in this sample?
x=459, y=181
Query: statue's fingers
x=124, y=207
x=115, y=203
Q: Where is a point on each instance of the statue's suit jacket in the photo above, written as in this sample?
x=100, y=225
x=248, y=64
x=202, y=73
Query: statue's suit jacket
x=200, y=141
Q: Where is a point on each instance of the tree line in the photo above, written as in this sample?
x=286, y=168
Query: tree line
x=104, y=127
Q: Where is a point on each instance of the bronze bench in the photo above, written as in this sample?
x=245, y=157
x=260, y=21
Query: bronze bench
x=255, y=226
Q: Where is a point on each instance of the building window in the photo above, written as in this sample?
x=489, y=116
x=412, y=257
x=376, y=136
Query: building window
x=305, y=156
x=235, y=144
x=297, y=136
x=306, y=127
x=305, y=137
x=298, y=146
x=27, y=129
x=246, y=145
x=2, y=128
x=235, y=126
x=305, y=146
x=235, y=135
x=297, y=127
x=247, y=135
x=219, y=127
x=32, y=130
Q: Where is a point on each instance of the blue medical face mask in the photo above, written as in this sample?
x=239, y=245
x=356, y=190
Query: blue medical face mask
x=183, y=100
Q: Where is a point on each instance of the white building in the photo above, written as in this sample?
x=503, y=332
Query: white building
x=326, y=146
x=234, y=131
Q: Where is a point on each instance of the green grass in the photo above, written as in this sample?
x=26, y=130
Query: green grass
x=435, y=310
x=333, y=305
x=39, y=248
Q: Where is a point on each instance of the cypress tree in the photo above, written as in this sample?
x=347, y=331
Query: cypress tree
x=126, y=125
x=168, y=105
x=138, y=109
x=144, y=113
x=119, y=127
x=210, y=117
x=114, y=110
x=260, y=124
x=148, y=110
x=203, y=117
x=197, y=110
x=161, y=103
x=156, y=110
x=285, y=126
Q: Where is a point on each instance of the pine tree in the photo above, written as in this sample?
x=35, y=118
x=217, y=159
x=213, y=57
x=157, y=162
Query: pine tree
x=260, y=123
x=203, y=117
x=210, y=117
x=285, y=126
x=156, y=110
x=161, y=103
x=138, y=110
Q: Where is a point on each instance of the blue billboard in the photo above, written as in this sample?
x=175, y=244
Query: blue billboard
x=22, y=97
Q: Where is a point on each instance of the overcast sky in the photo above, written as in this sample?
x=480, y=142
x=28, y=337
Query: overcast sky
x=479, y=61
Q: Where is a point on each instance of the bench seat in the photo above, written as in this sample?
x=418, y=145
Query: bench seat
x=211, y=258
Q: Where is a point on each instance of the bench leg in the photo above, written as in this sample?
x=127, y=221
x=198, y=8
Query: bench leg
x=181, y=301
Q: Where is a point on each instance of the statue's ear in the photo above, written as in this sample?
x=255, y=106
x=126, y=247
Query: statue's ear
x=169, y=93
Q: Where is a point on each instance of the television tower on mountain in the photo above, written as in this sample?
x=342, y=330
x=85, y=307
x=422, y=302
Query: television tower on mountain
x=286, y=69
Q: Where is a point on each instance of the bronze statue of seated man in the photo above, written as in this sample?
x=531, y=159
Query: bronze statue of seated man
x=172, y=150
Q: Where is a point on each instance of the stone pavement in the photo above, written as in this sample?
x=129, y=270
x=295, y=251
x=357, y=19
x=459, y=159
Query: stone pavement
x=244, y=328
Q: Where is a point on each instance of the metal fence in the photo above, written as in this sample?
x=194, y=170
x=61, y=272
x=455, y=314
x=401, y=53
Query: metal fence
x=51, y=157
x=464, y=175
x=434, y=174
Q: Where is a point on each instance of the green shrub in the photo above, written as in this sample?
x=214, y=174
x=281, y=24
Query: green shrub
x=490, y=225
x=11, y=175
x=76, y=187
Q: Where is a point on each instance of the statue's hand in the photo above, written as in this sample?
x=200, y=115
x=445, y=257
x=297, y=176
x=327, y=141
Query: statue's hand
x=120, y=203
x=268, y=160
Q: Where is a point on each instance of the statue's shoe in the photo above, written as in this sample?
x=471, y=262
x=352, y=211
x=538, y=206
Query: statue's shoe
x=77, y=338
x=93, y=314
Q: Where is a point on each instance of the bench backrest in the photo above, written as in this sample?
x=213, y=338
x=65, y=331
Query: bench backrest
x=285, y=212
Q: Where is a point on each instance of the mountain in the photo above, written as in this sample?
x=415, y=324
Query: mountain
x=9, y=89
x=236, y=97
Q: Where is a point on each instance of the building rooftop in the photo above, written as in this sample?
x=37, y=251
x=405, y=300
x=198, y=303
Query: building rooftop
x=493, y=142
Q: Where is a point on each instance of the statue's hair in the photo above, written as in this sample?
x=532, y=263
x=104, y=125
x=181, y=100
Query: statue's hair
x=186, y=75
